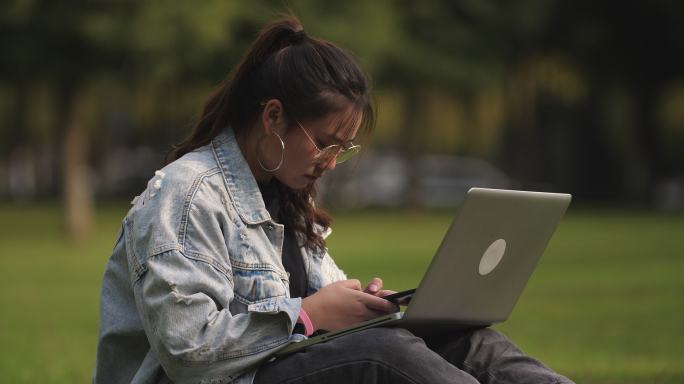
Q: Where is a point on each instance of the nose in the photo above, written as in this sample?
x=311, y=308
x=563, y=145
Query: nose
x=329, y=159
x=330, y=163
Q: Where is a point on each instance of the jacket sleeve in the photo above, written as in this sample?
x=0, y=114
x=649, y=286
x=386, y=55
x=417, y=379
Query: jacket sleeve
x=181, y=300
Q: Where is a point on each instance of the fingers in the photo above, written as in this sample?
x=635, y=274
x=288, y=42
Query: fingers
x=405, y=301
x=378, y=304
x=374, y=286
x=385, y=292
x=351, y=283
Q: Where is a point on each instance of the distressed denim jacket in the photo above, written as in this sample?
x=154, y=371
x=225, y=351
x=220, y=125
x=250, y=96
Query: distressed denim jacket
x=195, y=290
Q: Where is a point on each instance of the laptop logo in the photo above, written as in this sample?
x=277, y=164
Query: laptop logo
x=492, y=256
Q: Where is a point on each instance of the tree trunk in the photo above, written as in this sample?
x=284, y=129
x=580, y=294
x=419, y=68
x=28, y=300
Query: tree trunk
x=649, y=132
x=410, y=143
x=77, y=190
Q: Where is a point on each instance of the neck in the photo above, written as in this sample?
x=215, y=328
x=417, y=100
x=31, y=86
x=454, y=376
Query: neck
x=248, y=147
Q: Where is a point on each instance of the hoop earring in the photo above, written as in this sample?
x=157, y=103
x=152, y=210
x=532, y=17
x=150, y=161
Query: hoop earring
x=282, y=153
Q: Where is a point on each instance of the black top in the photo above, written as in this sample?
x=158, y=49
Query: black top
x=292, y=255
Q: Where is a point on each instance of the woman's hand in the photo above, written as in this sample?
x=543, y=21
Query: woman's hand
x=342, y=304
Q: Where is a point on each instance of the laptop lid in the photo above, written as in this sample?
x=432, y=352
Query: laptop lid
x=486, y=257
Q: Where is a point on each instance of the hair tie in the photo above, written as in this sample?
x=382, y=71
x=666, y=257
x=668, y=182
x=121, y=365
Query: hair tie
x=297, y=36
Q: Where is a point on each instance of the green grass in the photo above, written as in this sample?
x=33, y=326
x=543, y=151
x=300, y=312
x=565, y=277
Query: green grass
x=606, y=304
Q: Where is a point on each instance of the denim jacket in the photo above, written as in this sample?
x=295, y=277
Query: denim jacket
x=195, y=289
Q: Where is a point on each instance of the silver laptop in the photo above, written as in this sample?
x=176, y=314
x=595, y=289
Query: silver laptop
x=480, y=269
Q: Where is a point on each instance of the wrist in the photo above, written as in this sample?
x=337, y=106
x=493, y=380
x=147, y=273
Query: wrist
x=305, y=320
x=310, y=313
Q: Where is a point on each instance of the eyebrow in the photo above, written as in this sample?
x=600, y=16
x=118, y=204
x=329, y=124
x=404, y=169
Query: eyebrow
x=336, y=139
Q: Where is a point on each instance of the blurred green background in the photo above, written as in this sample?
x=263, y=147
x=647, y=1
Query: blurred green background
x=582, y=97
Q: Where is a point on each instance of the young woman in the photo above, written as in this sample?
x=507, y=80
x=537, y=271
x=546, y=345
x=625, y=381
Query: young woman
x=221, y=261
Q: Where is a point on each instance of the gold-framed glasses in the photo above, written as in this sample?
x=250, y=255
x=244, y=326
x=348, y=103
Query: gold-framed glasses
x=341, y=153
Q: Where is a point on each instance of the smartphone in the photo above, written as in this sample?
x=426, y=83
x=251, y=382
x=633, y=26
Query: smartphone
x=402, y=297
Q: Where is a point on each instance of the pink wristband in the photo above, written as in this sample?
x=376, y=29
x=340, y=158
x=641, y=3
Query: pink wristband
x=306, y=321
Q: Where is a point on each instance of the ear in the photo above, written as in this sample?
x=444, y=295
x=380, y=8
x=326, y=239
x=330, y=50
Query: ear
x=272, y=117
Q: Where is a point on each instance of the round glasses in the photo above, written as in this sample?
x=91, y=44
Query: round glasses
x=341, y=153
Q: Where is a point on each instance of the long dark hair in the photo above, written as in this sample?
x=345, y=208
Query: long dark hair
x=311, y=78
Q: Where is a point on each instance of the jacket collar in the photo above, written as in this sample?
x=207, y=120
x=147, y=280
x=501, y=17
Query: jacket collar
x=242, y=186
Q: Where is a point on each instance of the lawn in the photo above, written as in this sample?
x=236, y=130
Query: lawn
x=606, y=304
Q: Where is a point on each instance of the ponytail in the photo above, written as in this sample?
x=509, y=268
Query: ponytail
x=221, y=108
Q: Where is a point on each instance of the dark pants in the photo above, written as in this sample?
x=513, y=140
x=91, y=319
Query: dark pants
x=395, y=355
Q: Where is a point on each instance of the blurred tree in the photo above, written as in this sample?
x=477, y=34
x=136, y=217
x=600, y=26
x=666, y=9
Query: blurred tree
x=443, y=47
x=557, y=63
x=70, y=44
x=52, y=42
x=627, y=48
x=554, y=70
